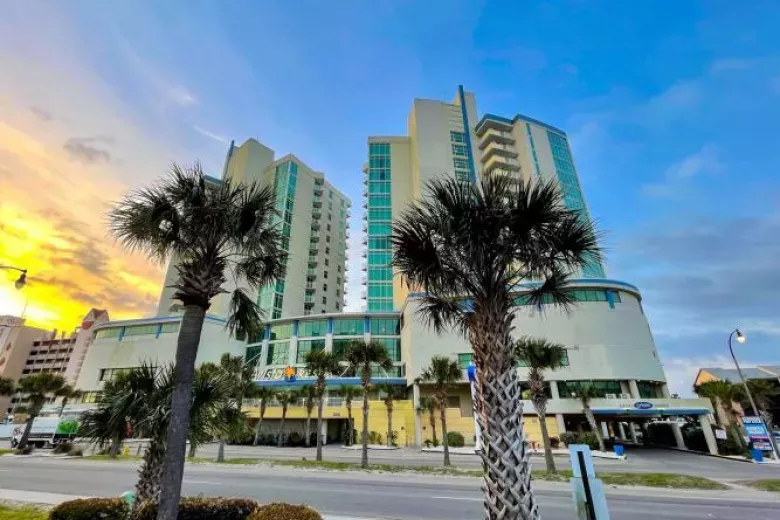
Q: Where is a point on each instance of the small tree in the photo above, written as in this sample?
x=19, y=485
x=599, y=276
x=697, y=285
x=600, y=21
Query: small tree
x=308, y=394
x=38, y=388
x=349, y=393
x=429, y=404
x=540, y=355
x=321, y=364
x=362, y=358
x=586, y=393
x=725, y=393
x=67, y=393
x=284, y=398
x=442, y=374
x=391, y=393
x=764, y=392
x=263, y=394
x=240, y=379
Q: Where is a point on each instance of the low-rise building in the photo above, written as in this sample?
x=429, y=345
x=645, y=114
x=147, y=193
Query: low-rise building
x=768, y=373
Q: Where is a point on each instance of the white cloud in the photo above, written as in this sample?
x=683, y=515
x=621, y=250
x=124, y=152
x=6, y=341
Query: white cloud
x=731, y=64
x=216, y=137
x=706, y=161
x=681, y=372
x=181, y=96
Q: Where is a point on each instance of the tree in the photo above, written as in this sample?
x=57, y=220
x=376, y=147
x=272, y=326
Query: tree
x=764, y=392
x=539, y=355
x=209, y=229
x=725, y=393
x=308, y=394
x=469, y=248
x=349, y=393
x=391, y=394
x=38, y=388
x=442, y=374
x=285, y=398
x=7, y=386
x=67, y=393
x=429, y=404
x=321, y=364
x=263, y=394
x=586, y=393
x=109, y=422
x=240, y=378
x=363, y=358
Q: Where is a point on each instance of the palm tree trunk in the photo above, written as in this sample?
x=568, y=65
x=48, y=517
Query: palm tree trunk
x=173, y=465
x=307, y=430
x=280, y=439
x=540, y=403
x=62, y=407
x=432, y=420
x=221, y=451
x=319, y=427
x=444, y=440
x=499, y=413
x=351, y=434
x=364, y=436
x=116, y=444
x=593, y=426
x=389, y=426
x=151, y=472
x=193, y=450
x=257, y=426
x=27, y=429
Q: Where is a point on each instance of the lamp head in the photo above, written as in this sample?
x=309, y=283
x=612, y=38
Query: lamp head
x=741, y=337
x=22, y=281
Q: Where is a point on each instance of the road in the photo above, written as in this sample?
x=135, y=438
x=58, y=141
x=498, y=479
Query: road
x=390, y=496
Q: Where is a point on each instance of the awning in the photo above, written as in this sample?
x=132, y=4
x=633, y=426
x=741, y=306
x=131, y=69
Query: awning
x=650, y=412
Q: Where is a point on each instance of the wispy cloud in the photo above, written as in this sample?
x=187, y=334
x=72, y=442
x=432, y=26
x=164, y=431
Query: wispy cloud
x=84, y=149
x=211, y=135
x=705, y=161
x=732, y=64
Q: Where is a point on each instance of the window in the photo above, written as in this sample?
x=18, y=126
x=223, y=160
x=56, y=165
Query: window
x=393, y=347
x=327, y=250
x=457, y=137
x=338, y=268
x=327, y=238
x=338, y=280
x=580, y=295
x=338, y=293
x=308, y=345
x=324, y=287
x=140, y=330
x=385, y=327
x=648, y=389
x=464, y=360
x=459, y=150
x=312, y=328
x=340, y=348
x=567, y=388
x=328, y=226
x=169, y=327
x=108, y=333
x=281, y=331
x=326, y=262
x=278, y=353
x=347, y=327
x=325, y=274
x=453, y=401
x=324, y=300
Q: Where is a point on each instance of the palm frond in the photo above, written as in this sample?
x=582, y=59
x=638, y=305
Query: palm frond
x=243, y=316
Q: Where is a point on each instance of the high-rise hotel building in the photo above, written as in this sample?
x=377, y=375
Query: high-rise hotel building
x=313, y=218
x=445, y=139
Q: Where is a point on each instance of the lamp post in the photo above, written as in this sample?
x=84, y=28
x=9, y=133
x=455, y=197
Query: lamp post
x=22, y=280
x=741, y=339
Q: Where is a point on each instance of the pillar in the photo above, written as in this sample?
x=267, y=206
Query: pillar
x=604, y=430
x=678, y=438
x=665, y=391
x=561, y=423
x=554, y=390
x=418, y=438
x=634, y=389
x=709, y=437
x=632, y=429
x=621, y=431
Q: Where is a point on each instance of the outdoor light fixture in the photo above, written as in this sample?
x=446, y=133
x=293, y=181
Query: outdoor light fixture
x=741, y=338
x=22, y=281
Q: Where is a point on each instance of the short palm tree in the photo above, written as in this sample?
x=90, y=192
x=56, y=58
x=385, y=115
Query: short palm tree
x=443, y=373
x=539, y=355
x=240, y=378
x=349, y=393
x=429, y=404
x=468, y=247
x=725, y=393
x=285, y=398
x=67, y=393
x=210, y=229
x=586, y=393
x=363, y=358
x=321, y=364
x=391, y=394
x=309, y=396
x=263, y=394
x=38, y=388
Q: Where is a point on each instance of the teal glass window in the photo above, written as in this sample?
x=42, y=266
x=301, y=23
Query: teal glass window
x=392, y=345
x=379, y=228
x=278, y=353
x=281, y=331
x=457, y=137
x=464, y=360
x=140, y=330
x=567, y=388
x=648, y=390
x=379, y=305
x=312, y=328
x=169, y=327
x=340, y=348
x=459, y=150
x=348, y=327
x=385, y=327
x=308, y=345
x=112, y=332
x=253, y=354
x=460, y=164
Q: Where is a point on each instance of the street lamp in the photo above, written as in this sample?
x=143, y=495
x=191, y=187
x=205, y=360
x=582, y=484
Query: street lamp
x=22, y=281
x=741, y=339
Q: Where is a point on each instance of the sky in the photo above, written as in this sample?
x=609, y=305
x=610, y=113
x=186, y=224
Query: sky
x=670, y=107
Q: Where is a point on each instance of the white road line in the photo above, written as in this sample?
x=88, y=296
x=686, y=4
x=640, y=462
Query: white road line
x=188, y=481
x=461, y=498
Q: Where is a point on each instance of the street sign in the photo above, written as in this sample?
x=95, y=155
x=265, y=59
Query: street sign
x=757, y=433
x=720, y=433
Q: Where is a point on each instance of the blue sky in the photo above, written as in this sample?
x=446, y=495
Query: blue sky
x=670, y=107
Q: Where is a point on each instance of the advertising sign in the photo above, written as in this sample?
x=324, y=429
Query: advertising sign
x=643, y=405
x=720, y=433
x=757, y=433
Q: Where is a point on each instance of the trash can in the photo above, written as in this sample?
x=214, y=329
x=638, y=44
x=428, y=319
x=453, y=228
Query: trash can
x=757, y=455
x=620, y=450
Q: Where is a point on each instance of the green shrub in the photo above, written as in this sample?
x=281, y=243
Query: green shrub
x=569, y=438
x=91, y=509
x=76, y=452
x=27, y=450
x=455, y=439
x=555, y=443
x=285, y=512
x=590, y=439
x=374, y=437
x=62, y=447
x=294, y=439
x=202, y=509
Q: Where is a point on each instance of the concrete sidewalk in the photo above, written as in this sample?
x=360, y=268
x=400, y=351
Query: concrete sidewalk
x=53, y=499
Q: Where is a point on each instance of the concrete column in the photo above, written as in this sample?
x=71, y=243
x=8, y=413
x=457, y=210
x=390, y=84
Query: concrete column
x=665, y=391
x=621, y=431
x=678, y=438
x=634, y=389
x=632, y=430
x=604, y=430
x=554, y=390
x=561, y=423
x=709, y=437
x=418, y=438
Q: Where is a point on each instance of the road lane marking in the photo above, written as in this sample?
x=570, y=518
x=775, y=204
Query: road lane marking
x=188, y=481
x=461, y=498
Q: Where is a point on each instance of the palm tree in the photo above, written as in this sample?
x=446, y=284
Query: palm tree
x=442, y=373
x=429, y=404
x=363, y=358
x=108, y=423
x=708, y=392
x=7, y=386
x=38, y=388
x=468, y=247
x=210, y=229
x=240, y=378
x=391, y=393
x=67, y=393
x=308, y=393
x=285, y=398
x=586, y=393
x=321, y=364
x=764, y=392
x=725, y=393
x=263, y=394
x=540, y=355
x=349, y=393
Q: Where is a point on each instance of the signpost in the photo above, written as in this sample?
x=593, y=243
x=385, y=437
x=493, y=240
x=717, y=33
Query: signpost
x=587, y=491
x=757, y=433
x=472, y=373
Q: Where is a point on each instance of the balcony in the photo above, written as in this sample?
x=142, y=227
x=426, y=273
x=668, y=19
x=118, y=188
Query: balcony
x=312, y=262
x=495, y=136
x=316, y=213
x=310, y=287
x=495, y=149
x=308, y=299
x=313, y=239
x=488, y=124
x=316, y=203
x=315, y=225
x=499, y=163
x=311, y=274
x=317, y=189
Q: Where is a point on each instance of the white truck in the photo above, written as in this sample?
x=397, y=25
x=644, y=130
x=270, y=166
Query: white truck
x=47, y=431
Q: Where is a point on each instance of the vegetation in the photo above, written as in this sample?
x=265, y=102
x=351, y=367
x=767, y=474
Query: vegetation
x=442, y=374
x=767, y=484
x=284, y=398
x=239, y=381
x=263, y=394
x=308, y=395
x=455, y=439
x=67, y=393
x=202, y=509
x=91, y=509
x=321, y=364
x=391, y=394
x=349, y=393
x=764, y=393
x=725, y=393
x=38, y=388
x=586, y=393
x=429, y=404
x=525, y=233
x=285, y=512
x=540, y=355
x=8, y=512
x=362, y=358
x=208, y=229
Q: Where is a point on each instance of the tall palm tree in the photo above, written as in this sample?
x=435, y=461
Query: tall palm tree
x=443, y=373
x=391, y=393
x=262, y=394
x=726, y=393
x=210, y=229
x=586, y=393
x=429, y=404
x=38, y=388
x=285, y=398
x=764, y=392
x=363, y=358
x=349, y=393
x=540, y=355
x=309, y=395
x=321, y=364
x=468, y=247
x=67, y=393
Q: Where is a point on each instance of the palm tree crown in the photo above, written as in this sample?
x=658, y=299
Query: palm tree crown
x=321, y=364
x=39, y=387
x=364, y=357
x=442, y=374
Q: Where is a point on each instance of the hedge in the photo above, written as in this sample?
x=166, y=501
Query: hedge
x=202, y=509
x=455, y=440
x=285, y=512
x=91, y=509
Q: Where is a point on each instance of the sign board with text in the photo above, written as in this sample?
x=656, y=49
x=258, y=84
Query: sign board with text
x=757, y=433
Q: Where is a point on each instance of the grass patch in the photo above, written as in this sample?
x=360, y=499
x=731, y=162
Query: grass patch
x=658, y=480
x=767, y=484
x=4, y=451
x=118, y=457
x=22, y=513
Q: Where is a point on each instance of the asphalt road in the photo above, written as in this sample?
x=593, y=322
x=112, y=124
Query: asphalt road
x=391, y=496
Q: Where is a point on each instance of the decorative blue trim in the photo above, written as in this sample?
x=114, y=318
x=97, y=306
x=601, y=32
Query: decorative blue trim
x=159, y=330
x=512, y=121
x=652, y=411
x=467, y=131
x=533, y=149
x=366, y=325
x=330, y=325
x=267, y=333
x=610, y=298
x=295, y=328
x=121, y=334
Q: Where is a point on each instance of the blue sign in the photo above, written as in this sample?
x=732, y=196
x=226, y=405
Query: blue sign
x=757, y=433
x=471, y=371
x=643, y=405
